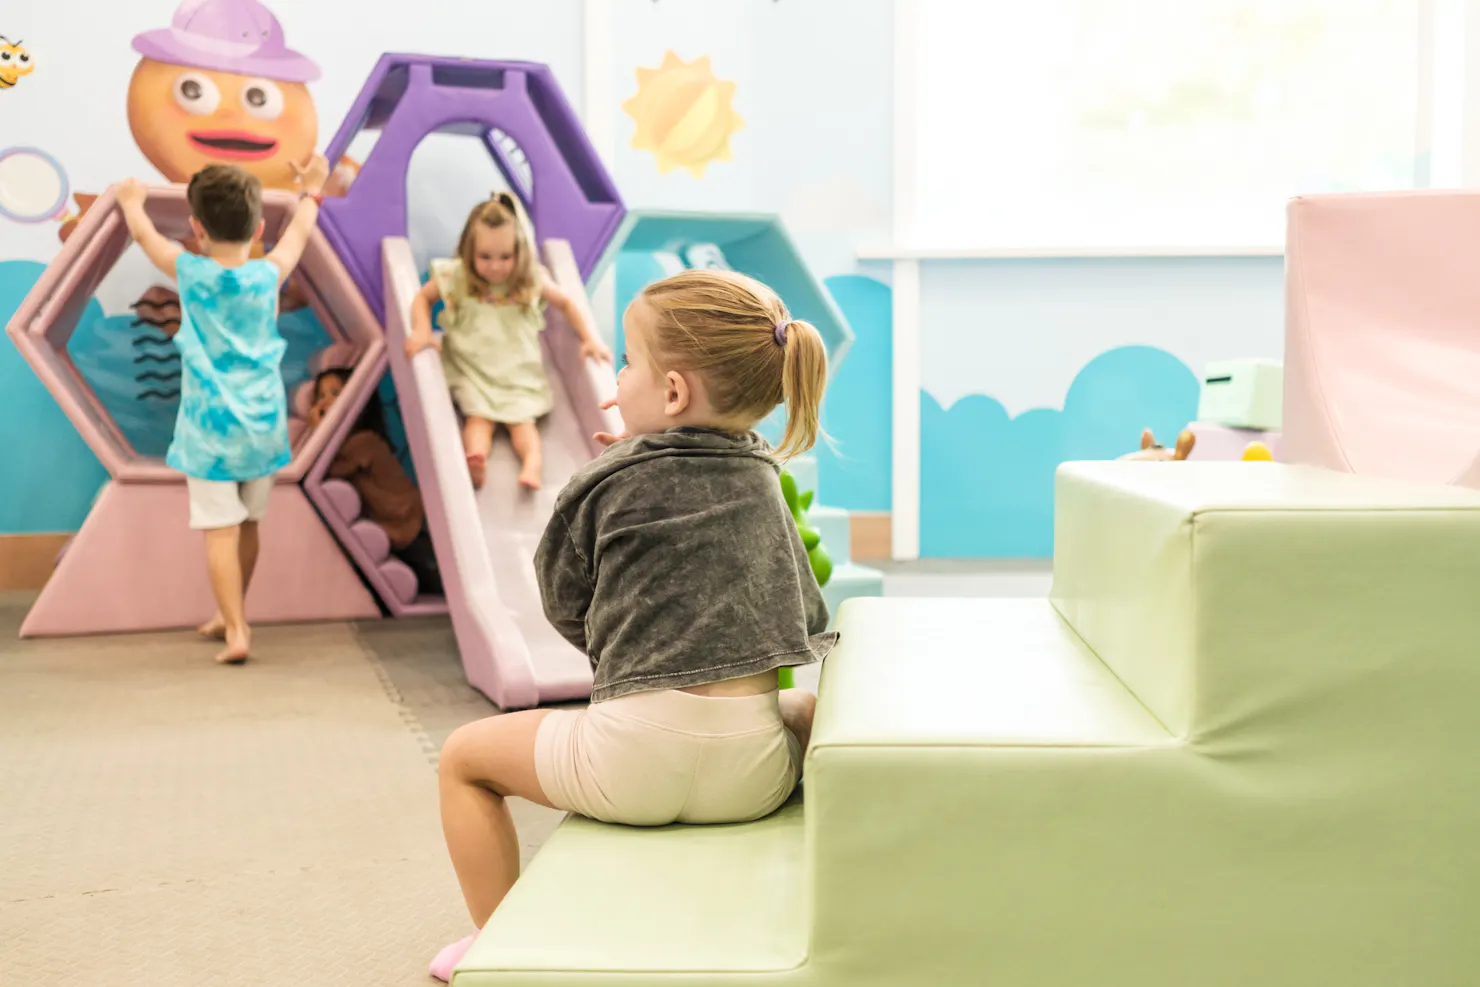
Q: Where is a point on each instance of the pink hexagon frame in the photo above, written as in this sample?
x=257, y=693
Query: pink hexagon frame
x=135, y=565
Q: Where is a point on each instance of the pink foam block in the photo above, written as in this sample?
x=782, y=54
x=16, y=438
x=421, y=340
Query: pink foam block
x=1220, y=442
x=1382, y=354
x=136, y=565
x=340, y=504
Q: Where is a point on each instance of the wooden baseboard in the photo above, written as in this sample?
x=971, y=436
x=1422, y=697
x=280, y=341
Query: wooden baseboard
x=26, y=561
x=871, y=535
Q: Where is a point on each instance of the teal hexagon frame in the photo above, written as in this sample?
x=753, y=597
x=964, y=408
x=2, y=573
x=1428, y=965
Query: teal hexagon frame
x=756, y=244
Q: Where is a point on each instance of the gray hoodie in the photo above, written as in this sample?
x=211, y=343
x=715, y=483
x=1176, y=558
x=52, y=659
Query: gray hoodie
x=672, y=561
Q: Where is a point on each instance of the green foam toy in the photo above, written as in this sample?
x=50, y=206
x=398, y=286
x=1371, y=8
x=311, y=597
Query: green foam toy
x=799, y=502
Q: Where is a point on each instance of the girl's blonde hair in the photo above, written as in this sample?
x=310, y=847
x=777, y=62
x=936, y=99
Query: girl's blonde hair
x=498, y=211
x=735, y=333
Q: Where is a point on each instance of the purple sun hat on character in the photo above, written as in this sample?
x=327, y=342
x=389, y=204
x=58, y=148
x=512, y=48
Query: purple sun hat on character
x=239, y=36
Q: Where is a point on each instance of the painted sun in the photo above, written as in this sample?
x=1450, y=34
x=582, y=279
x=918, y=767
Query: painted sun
x=683, y=114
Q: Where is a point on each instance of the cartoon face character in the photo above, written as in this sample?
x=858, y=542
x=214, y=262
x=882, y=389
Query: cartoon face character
x=15, y=62
x=184, y=119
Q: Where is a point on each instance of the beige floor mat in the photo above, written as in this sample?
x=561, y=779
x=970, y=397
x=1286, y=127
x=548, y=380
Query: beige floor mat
x=165, y=821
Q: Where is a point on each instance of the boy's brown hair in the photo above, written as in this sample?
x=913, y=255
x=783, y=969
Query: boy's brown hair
x=227, y=201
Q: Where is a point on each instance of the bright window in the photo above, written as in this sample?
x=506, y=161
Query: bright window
x=1083, y=124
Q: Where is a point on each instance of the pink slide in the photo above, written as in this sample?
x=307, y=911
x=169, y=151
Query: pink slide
x=1382, y=335
x=486, y=540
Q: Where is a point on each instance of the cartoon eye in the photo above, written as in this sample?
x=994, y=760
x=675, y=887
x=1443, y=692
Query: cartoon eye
x=262, y=99
x=4, y=56
x=25, y=58
x=196, y=94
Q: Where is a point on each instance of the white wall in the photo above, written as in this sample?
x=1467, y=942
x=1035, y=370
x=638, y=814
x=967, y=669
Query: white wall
x=1020, y=330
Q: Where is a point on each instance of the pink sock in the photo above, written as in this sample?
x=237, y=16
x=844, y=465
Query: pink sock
x=446, y=961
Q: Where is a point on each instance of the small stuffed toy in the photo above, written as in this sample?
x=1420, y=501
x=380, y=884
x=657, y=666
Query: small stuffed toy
x=1151, y=452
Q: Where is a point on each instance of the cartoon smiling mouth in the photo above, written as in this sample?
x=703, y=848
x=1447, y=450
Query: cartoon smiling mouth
x=233, y=145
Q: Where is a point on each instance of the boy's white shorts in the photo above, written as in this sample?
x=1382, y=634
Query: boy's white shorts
x=227, y=503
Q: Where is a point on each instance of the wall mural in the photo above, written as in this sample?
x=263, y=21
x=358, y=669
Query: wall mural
x=15, y=62
x=684, y=114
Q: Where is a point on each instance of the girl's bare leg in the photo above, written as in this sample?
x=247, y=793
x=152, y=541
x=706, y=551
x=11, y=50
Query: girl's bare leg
x=477, y=440
x=526, y=439
x=482, y=764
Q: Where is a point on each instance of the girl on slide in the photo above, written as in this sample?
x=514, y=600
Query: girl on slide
x=494, y=294
x=672, y=561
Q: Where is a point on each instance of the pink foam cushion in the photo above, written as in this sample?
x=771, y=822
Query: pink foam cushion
x=332, y=356
x=372, y=538
x=1383, y=357
x=302, y=399
x=399, y=579
x=344, y=498
x=297, y=431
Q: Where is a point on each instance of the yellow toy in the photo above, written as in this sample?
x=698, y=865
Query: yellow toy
x=15, y=62
x=1258, y=452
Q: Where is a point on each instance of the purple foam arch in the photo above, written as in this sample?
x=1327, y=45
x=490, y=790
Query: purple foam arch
x=409, y=97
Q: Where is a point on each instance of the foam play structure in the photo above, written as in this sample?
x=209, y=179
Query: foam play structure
x=1233, y=748
x=134, y=565
x=569, y=194
x=360, y=278
x=1381, y=353
x=484, y=540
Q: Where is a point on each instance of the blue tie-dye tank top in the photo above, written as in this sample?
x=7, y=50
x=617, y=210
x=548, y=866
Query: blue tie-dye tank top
x=233, y=421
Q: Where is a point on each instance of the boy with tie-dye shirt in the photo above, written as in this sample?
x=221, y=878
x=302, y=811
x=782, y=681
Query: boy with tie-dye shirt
x=231, y=436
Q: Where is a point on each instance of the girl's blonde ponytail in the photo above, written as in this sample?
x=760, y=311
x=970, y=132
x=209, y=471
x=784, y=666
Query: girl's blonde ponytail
x=803, y=379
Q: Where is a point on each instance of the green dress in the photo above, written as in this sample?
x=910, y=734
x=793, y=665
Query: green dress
x=491, y=350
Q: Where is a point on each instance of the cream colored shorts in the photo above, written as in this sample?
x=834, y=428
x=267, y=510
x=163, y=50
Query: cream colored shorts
x=225, y=504
x=654, y=758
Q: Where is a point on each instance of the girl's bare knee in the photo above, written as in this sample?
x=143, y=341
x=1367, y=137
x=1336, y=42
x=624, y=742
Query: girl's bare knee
x=456, y=753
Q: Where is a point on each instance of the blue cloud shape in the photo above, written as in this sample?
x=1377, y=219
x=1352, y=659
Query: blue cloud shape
x=986, y=479
x=51, y=476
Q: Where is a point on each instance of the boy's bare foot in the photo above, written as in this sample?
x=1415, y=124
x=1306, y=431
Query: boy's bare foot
x=238, y=647
x=529, y=477
x=213, y=629
x=478, y=469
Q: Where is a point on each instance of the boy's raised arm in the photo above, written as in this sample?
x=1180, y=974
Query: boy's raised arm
x=290, y=245
x=161, y=251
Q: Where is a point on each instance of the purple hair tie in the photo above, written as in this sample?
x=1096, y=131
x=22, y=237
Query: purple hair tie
x=779, y=334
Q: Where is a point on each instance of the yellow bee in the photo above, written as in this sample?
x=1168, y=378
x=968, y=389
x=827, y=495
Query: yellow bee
x=15, y=62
